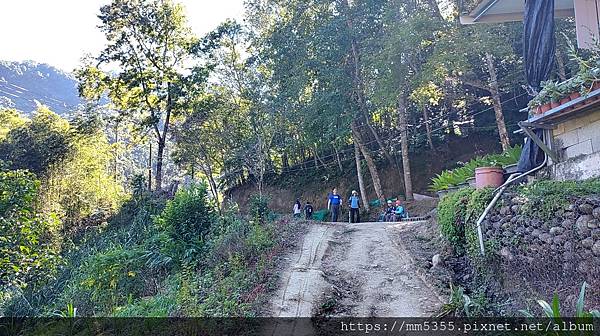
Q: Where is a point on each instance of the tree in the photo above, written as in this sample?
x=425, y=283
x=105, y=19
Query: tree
x=151, y=45
x=37, y=144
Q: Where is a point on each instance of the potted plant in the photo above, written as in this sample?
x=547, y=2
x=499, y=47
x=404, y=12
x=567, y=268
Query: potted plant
x=565, y=91
x=471, y=181
x=553, y=91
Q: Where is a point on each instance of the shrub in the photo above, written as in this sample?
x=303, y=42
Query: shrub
x=458, y=213
x=29, y=244
x=259, y=208
x=547, y=197
x=106, y=280
x=186, y=220
x=451, y=213
x=477, y=203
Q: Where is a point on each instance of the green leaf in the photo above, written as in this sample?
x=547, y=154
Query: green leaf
x=546, y=307
x=581, y=300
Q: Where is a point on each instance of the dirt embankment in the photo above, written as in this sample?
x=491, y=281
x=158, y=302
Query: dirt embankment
x=313, y=184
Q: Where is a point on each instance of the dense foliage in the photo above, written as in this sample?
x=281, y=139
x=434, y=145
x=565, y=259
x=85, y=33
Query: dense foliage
x=29, y=244
x=449, y=178
x=457, y=216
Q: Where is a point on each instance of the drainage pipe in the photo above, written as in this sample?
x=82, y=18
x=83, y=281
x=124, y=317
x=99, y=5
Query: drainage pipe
x=500, y=190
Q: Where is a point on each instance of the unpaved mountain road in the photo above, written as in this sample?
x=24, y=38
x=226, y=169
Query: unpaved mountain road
x=356, y=270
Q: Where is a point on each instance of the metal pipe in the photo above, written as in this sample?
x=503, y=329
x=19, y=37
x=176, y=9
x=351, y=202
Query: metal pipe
x=485, y=10
x=500, y=190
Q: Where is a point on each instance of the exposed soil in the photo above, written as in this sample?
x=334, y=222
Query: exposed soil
x=359, y=270
x=312, y=184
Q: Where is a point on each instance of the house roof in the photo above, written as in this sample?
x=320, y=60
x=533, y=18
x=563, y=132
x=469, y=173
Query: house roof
x=496, y=11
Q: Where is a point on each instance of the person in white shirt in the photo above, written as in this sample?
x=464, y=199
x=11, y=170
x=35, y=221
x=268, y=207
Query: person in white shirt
x=297, y=208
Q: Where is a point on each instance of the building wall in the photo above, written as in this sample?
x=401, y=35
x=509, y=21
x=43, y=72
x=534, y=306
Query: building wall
x=577, y=143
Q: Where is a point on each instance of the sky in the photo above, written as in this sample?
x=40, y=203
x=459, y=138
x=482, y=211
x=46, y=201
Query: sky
x=61, y=32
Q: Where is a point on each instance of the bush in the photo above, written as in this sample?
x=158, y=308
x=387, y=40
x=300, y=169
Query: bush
x=451, y=213
x=259, y=208
x=186, y=219
x=106, y=280
x=458, y=213
x=545, y=198
x=449, y=178
x=29, y=243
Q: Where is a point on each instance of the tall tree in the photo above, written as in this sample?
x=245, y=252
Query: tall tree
x=150, y=45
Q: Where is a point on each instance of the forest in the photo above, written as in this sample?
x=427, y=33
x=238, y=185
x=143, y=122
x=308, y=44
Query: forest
x=122, y=208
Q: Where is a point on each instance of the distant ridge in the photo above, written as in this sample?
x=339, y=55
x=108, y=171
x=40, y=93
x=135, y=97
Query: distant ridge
x=25, y=84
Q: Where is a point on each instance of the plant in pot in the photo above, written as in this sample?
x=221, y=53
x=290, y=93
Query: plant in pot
x=544, y=101
x=565, y=89
x=553, y=91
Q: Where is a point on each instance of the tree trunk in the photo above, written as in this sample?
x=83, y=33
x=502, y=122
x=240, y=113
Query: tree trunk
x=495, y=91
x=370, y=163
x=562, y=71
x=337, y=157
x=116, y=172
x=162, y=141
x=361, y=182
x=428, y=128
x=435, y=9
x=159, y=165
x=150, y=167
x=358, y=86
x=408, y=192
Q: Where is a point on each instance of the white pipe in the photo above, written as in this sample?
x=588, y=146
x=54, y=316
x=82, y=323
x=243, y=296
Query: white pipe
x=500, y=190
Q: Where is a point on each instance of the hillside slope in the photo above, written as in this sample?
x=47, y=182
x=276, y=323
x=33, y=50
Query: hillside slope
x=25, y=84
x=312, y=184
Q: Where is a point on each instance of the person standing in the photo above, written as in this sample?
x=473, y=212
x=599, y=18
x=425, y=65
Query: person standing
x=354, y=202
x=334, y=204
x=297, y=208
x=308, y=211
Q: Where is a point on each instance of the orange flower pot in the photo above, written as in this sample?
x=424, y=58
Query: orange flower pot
x=574, y=95
x=545, y=108
x=554, y=104
x=489, y=177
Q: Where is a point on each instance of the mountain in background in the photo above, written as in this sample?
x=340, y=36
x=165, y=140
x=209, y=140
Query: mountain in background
x=25, y=84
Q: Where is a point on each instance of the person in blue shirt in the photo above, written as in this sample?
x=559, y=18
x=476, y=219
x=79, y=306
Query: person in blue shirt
x=354, y=202
x=333, y=204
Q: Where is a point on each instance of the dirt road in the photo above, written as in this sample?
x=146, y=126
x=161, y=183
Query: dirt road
x=357, y=270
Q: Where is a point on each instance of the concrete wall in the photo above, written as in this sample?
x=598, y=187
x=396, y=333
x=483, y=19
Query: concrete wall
x=577, y=143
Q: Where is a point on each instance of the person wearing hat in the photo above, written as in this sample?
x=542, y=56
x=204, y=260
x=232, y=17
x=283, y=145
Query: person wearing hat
x=354, y=202
x=389, y=212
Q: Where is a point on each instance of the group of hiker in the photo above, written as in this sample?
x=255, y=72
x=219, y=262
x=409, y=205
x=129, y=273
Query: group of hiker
x=393, y=212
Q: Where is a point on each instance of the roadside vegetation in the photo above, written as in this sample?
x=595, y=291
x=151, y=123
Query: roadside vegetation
x=536, y=235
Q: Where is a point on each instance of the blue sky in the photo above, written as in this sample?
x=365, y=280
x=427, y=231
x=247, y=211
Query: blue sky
x=60, y=32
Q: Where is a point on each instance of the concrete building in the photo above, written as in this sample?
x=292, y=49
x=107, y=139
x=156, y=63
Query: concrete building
x=575, y=133
x=573, y=127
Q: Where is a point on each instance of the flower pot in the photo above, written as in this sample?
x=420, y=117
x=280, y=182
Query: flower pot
x=471, y=181
x=510, y=169
x=489, y=177
x=463, y=185
x=554, y=104
x=545, y=108
x=574, y=95
x=565, y=100
x=596, y=85
x=452, y=189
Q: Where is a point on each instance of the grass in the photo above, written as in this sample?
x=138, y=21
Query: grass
x=545, y=198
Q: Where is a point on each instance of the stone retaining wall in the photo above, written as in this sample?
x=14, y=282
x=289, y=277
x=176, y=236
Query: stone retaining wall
x=548, y=253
